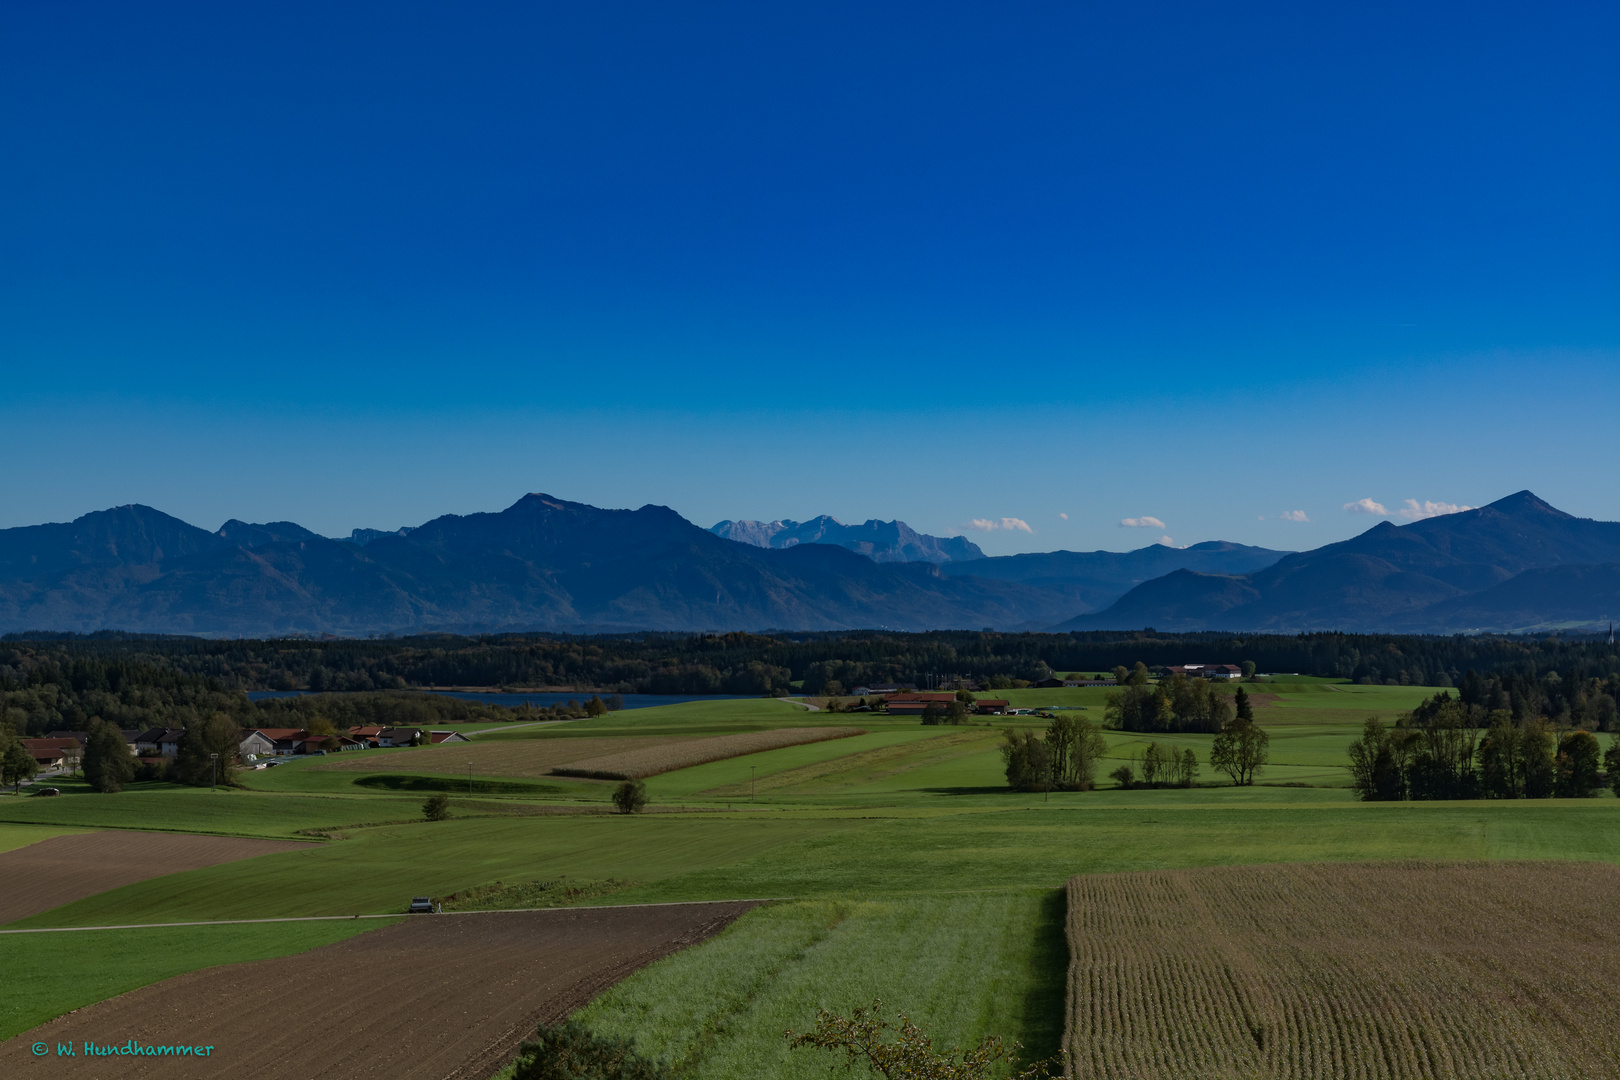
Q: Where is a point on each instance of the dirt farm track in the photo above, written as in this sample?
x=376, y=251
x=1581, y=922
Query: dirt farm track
x=431, y=998
x=62, y=869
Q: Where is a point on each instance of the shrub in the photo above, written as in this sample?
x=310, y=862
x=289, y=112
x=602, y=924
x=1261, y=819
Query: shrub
x=911, y=1055
x=571, y=1051
x=630, y=796
x=1125, y=775
x=437, y=808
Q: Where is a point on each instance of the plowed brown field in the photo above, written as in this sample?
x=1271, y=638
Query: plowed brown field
x=1409, y=970
x=434, y=997
x=62, y=869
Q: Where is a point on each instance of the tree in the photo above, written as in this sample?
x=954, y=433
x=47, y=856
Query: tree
x=1611, y=763
x=1501, y=759
x=1248, y=669
x=1187, y=775
x=437, y=808
x=1125, y=776
x=956, y=713
x=17, y=764
x=217, y=735
x=1242, y=706
x=1240, y=750
x=1578, y=758
x=1028, y=761
x=630, y=796
x=569, y=1051
x=108, y=764
x=1378, y=763
x=1536, y=750
x=596, y=707
x=911, y=1054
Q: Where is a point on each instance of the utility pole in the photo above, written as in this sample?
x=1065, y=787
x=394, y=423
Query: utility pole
x=751, y=771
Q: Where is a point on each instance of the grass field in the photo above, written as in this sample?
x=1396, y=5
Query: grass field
x=908, y=870
x=50, y=974
x=16, y=836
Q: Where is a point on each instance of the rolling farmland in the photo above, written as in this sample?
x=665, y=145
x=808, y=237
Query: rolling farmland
x=1376, y=971
x=645, y=760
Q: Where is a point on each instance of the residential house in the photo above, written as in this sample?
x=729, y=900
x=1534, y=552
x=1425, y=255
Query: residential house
x=159, y=742
x=397, y=736
x=991, y=706
x=447, y=736
x=369, y=734
x=51, y=753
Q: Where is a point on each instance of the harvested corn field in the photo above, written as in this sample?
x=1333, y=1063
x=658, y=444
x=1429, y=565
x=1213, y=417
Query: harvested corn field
x=643, y=761
x=1388, y=970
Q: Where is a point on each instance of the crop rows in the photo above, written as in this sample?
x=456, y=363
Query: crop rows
x=651, y=760
x=1477, y=970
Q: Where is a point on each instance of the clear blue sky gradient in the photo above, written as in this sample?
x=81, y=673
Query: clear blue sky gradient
x=363, y=264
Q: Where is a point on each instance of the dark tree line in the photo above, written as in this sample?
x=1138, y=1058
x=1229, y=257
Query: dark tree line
x=1520, y=667
x=1448, y=748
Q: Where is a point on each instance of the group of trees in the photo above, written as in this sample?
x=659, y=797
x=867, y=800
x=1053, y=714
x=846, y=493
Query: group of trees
x=1587, y=667
x=1162, y=766
x=1450, y=749
x=1065, y=759
x=1173, y=704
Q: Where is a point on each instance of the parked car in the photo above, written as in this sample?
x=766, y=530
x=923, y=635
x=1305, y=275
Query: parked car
x=45, y=792
x=421, y=905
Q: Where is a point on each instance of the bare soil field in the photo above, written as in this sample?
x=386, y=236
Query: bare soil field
x=62, y=869
x=527, y=758
x=643, y=761
x=434, y=997
x=1395, y=970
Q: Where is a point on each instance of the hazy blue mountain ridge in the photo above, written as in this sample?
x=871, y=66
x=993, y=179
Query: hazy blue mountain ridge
x=1414, y=578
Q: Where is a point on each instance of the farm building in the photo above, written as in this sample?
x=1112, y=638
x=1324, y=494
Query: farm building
x=1207, y=671
x=990, y=706
x=447, y=736
x=914, y=704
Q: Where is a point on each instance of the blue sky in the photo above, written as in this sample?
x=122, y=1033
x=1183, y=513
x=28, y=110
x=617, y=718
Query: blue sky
x=359, y=265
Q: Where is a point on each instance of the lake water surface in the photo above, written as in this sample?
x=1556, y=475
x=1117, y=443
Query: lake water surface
x=631, y=701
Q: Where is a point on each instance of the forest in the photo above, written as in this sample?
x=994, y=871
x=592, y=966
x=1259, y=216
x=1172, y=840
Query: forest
x=145, y=680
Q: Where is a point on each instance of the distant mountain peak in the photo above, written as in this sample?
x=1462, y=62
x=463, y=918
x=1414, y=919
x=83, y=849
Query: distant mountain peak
x=1525, y=503
x=880, y=541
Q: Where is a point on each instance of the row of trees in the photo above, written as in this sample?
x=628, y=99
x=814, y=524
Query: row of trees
x=763, y=663
x=1065, y=758
x=1437, y=752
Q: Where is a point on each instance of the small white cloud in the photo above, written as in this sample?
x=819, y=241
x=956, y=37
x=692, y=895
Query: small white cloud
x=1414, y=511
x=1366, y=506
x=1008, y=524
x=1166, y=541
x=1294, y=515
x=1141, y=523
x=1065, y=517
x=1262, y=517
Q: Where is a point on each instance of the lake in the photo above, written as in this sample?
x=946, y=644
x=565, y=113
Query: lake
x=631, y=701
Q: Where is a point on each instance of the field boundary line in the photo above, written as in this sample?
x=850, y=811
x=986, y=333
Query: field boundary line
x=396, y=915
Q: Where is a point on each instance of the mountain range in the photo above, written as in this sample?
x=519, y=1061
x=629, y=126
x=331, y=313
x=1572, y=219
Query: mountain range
x=548, y=564
x=1517, y=564
x=880, y=541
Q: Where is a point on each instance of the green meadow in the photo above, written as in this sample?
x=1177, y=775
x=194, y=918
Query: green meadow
x=899, y=863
